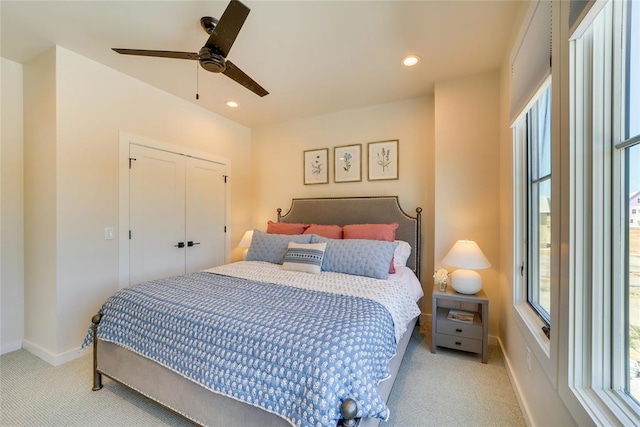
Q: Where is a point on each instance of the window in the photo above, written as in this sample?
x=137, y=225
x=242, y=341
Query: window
x=538, y=247
x=630, y=155
x=604, y=247
x=533, y=222
x=533, y=147
x=632, y=273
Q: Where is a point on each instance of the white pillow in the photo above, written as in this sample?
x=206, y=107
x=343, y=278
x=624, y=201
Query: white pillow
x=304, y=257
x=402, y=253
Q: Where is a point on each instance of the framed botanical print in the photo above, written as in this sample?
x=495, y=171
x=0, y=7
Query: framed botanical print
x=383, y=160
x=347, y=163
x=316, y=166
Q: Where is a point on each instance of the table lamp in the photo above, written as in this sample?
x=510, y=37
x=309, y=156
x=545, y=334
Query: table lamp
x=245, y=242
x=467, y=257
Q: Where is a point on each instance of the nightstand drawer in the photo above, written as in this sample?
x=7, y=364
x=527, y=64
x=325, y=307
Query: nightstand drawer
x=464, y=330
x=459, y=343
x=451, y=327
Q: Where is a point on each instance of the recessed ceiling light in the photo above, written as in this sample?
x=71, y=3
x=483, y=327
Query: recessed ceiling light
x=232, y=104
x=410, y=60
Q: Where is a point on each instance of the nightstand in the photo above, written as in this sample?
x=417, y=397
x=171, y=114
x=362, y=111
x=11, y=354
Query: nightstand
x=470, y=337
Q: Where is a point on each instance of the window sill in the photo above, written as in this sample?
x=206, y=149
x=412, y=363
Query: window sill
x=531, y=326
x=607, y=407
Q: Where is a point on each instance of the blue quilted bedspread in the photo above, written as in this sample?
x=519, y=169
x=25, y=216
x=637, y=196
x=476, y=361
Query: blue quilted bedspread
x=294, y=352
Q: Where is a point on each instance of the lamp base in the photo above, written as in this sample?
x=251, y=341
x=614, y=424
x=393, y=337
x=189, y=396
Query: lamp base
x=466, y=281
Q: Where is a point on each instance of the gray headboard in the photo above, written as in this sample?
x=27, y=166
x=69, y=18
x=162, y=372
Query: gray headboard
x=360, y=210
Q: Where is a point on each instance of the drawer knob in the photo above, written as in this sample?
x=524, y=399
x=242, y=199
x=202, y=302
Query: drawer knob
x=458, y=343
x=458, y=330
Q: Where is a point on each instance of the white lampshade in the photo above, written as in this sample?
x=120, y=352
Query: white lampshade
x=467, y=256
x=245, y=242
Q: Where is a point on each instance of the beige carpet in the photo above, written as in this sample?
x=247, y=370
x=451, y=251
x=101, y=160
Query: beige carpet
x=445, y=389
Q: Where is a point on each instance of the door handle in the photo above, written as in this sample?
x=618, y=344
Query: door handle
x=190, y=243
x=179, y=245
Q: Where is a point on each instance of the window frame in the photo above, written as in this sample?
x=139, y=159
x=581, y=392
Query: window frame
x=596, y=354
x=530, y=323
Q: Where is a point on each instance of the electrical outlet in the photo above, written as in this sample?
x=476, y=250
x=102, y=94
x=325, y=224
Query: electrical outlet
x=528, y=358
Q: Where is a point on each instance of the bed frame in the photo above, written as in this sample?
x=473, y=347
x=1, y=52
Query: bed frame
x=202, y=406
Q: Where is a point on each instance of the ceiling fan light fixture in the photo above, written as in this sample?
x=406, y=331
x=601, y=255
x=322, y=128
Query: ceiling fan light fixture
x=232, y=104
x=410, y=60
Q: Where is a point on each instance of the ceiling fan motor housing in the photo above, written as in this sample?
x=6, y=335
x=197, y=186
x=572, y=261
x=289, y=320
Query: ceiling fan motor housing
x=211, y=61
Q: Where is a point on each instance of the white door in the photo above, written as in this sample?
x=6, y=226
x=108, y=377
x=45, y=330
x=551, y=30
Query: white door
x=176, y=214
x=205, y=203
x=156, y=214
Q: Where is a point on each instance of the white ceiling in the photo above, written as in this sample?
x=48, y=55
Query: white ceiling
x=314, y=57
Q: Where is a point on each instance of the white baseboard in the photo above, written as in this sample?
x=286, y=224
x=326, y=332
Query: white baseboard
x=516, y=388
x=9, y=347
x=49, y=357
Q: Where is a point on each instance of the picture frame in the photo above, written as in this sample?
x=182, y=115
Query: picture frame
x=316, y=166
x=383, y=160
x=347, y=163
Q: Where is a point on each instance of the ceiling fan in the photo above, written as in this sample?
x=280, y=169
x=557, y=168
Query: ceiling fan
x=213, y=55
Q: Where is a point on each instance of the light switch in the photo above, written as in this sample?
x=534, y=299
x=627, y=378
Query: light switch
x=108, y=233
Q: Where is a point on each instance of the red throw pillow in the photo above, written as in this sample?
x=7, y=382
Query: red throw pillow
x=386, y=232
x=285, y=228
x=328, y=231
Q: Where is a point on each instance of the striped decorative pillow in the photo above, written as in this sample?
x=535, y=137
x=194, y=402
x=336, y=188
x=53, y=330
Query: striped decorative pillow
x=304, y=257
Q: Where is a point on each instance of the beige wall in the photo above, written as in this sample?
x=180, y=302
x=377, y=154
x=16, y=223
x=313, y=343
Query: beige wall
x=92, y=104
x=277, y=169
x=467, y=173
x=40, y=203
x=11, y=208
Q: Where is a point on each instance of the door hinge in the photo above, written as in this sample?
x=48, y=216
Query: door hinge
x=129, y=234
x=522, y=269
x=131, y=159
x=225, y=228
x=225, y=178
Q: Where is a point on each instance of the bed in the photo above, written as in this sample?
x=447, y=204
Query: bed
x=324, y=351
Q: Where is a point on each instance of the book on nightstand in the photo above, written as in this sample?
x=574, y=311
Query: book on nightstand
x=461, y=316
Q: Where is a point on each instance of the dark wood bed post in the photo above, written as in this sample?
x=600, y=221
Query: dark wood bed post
x=349, y=409
x=97, y=376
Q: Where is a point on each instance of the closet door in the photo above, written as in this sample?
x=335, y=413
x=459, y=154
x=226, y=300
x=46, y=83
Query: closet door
x=157, y=243
x=205, y=215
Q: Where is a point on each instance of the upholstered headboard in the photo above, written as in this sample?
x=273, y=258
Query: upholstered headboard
x=360, y=210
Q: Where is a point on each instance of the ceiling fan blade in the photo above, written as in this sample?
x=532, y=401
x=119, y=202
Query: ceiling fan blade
x=239, y=76
x=228, y=27
x=158, y=53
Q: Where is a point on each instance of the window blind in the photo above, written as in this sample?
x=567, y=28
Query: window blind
x=577, y=11
x=531, y=63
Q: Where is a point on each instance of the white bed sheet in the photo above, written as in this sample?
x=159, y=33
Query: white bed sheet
x=408, y=277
